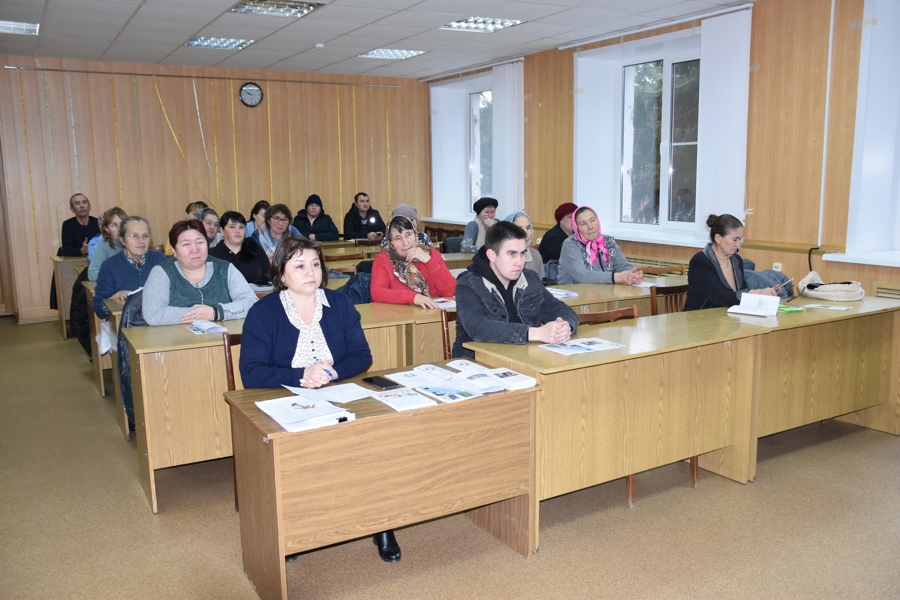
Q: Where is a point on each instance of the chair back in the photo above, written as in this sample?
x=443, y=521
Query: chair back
x=349, y=256
x=366, y=242
x=232, y=356
x=672, y=296
x=608, y=316
x=671, y=269
x=446, y=317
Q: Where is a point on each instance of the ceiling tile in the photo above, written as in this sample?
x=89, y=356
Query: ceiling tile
x=237, y=20
x=241, y=33
x=150, y=37
x=256, y=61
x=356, y=42
x=387, y=31
x=68, y=52
x=541, y=30
x=203, y=57
x=392, y=4
x=76, y=36
x=292, y=46
x=96, y=7
x=22, y=14
x=579, y=17
x=682, y=9
x=409, y=18
x=186, y=29
x=463, y=8
x=85, y=20
x=347, y=14
x=216, y=5
x=145, y=53
x=524, y=11
x=320, y=28
x=184, y=15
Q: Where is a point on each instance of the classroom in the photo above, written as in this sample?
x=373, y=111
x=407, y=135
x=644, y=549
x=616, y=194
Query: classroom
x=107, y=101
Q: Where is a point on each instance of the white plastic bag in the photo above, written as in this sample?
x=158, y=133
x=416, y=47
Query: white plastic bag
x=104, y=338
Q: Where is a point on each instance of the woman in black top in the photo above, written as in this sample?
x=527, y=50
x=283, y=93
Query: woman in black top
x=362, y=221
x=243, y=253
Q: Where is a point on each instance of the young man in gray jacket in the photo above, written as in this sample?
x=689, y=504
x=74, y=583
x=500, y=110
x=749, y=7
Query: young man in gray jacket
x=498, y=300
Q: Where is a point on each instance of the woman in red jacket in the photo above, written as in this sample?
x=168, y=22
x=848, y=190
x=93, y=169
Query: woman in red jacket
x=406, y=272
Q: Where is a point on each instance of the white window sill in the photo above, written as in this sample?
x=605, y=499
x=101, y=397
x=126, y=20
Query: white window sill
x=887, y=258
x=667, y=238
x=451, y=221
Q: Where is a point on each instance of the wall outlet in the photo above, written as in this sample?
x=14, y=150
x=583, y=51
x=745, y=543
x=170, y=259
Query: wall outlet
x=776, y=267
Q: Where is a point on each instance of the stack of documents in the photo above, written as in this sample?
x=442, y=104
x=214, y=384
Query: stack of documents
x=756, y=305
x=297, y=414
x=472, y=381
x=201, y=327
x=403, y=399
x=561, y=293
x=581, y=346
x=506, y=378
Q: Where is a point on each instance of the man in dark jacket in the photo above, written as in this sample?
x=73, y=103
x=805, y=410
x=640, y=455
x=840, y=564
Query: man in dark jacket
x=314, y=223
x=77, y=231
x=551, y=243
x=498, y=300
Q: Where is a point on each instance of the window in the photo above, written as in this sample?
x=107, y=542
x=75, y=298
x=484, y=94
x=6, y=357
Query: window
x=655, y=150
x=481, y=143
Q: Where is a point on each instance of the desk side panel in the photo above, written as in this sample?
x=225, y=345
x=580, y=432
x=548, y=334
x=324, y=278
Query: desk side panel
x=821, y=371
x=262, y=543
x=387, y=345
x=356, y=479
x=188, y=419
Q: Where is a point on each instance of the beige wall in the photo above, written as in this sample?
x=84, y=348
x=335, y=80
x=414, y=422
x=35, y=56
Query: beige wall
x=139, y=143
x=785, y=141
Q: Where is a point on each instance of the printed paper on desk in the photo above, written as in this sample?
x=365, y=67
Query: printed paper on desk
x=445, y=304
x=403, y=399
x=756, y=305
x=581, y=346
x=449, y=393
x=465, y=365
x=299, y=414
x=827, y=307
x=346, y=392
x=200, y=327
x=415, y=378
x=645, y=284
x=561, y=293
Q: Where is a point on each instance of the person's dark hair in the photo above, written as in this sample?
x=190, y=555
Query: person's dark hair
x=193, y=207
x=115, y=211
x=123, y=226
x=75, y=195
x=502, y=231
x=261, y=205
x=399, y=224
x=279, y=208
x=286, y=250
x=722, y=225
x=209, y=211
x=248, y=246
x=358, y=194
x=182, y=226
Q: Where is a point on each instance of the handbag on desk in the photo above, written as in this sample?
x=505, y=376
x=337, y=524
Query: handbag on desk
x=812, y=286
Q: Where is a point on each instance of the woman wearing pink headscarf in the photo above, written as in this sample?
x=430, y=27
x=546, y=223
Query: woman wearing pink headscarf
x=587, y=256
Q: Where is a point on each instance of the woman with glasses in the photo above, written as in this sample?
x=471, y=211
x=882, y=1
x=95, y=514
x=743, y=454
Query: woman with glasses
x=194, y=286
x=716, y=273
x=109, y=243
x=128, y=270
x=278, y=226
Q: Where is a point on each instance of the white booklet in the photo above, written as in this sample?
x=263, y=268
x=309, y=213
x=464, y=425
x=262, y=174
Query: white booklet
x=448, y=392
x=756, y=305
x=509, y=379
x=421, y=375
x=561, y=293
x=403, y=399
x=581, y=346
x=445, y=303
x=200, y=327
x=300, y=414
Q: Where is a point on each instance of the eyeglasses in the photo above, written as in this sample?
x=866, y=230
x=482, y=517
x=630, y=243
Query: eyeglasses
x=280, y=219
x=137, y=237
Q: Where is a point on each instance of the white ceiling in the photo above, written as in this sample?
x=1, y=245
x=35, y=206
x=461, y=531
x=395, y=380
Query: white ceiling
x=154, y=31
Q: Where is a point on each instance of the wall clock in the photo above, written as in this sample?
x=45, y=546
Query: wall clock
x=251, y=94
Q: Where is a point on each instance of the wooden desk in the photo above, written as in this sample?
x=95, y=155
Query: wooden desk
x=100, y=362
x=114, y=307
x=598, y=297
x=178, y=379
x=300, y=491
x=369, y=251
x=822, y=364
x=65, y=276
x=457, y=260
x=681, y=386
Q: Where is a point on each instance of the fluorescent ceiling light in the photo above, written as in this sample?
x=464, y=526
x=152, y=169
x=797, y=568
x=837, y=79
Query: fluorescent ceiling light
x=19, y=28
x=274, y=8
x=391, y=54
x=221, y=43
x=481, y=24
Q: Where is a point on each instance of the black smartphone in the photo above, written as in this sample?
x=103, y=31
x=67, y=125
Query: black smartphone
x=381, y=383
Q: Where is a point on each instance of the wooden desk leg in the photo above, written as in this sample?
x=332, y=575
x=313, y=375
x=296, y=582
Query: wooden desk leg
x=510, y=521
x=629, y=489
x=259, y=488
x=142, y=426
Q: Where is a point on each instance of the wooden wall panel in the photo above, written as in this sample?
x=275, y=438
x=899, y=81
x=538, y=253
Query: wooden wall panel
x=841, y=120
x=149, y=144
x=787, y=118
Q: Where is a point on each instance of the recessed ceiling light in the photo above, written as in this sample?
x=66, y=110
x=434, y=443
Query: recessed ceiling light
x=220, y=43
x=391, y=54
x=481, y=24
x=274, y=8
x=19, y=28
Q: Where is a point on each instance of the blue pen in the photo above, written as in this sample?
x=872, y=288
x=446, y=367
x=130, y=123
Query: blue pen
x=328, y=371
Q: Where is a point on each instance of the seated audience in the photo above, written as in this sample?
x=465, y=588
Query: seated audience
x=485, y=216
x=312, y=222
x=533, y=259
x=499, y=300
x=716, y=273
x=243, y=253
x=278, y=226
x=109, y=243
x=590, y=257
x=126, y=271
x=257, y=220
x=407, y=271
x=210, y=220
x=362, y=221
x=551, y=243
x=78, y=231
x=194, y=286
x=305, y=335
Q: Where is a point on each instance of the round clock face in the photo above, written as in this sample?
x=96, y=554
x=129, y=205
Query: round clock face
x=251, y=94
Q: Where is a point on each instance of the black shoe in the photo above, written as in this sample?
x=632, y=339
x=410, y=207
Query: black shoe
x=388, y=548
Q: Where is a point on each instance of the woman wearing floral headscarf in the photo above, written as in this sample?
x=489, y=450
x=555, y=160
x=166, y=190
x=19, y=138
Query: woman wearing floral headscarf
x=589, y=257
x=533, y=259
x=407, y=272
